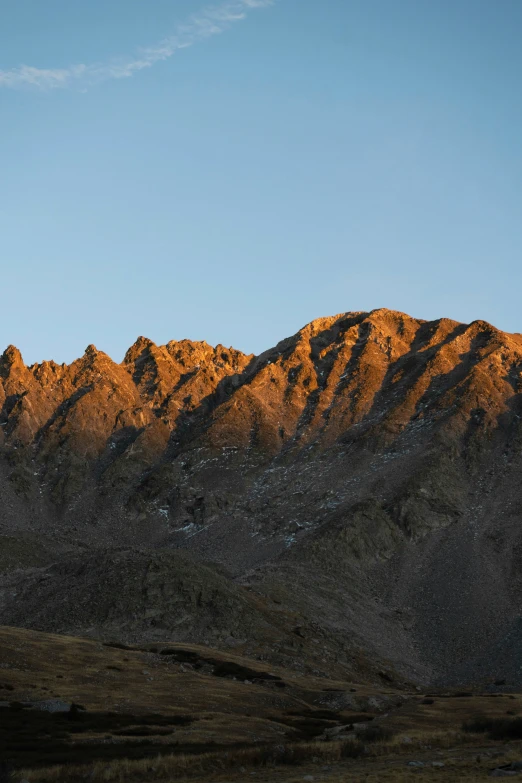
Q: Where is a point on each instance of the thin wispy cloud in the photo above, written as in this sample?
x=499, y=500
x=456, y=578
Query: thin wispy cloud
x=207, y=23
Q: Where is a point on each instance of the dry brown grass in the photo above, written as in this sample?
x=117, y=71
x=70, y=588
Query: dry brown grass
x=462, y=756
x=173, y=767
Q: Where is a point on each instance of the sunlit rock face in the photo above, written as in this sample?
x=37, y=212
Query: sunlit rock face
x=371, y=454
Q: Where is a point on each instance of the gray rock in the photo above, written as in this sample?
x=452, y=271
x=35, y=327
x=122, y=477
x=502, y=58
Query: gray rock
x=51, y=705
x=415, y=763
x=336, y=730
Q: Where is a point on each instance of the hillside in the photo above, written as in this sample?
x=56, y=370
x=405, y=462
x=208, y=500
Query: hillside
x=179, y=712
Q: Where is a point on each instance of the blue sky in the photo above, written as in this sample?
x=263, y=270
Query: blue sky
x=308, y=158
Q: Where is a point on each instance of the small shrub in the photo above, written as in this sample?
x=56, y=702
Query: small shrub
x=74, y=712
x=292, y=755
x=263, y=757
x=497, y=728
x=428, y=701
x=352, y=749
x=279, y=754
x=375, y=734
x=478, y=725
x=511, y=728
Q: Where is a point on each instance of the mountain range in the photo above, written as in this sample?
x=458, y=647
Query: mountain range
x=346, y=503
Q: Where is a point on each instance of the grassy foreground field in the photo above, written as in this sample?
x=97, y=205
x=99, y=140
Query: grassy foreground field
x=75, y=710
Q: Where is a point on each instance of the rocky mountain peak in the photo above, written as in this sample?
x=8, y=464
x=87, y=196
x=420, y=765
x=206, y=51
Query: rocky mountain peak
x=11, y=357
x=140, y=347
